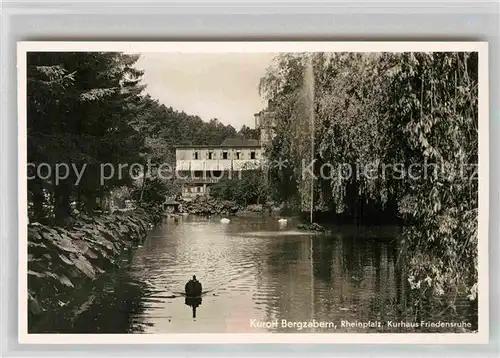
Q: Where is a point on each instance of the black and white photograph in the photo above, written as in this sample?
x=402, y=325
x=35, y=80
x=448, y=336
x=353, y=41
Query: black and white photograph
x=266, y=189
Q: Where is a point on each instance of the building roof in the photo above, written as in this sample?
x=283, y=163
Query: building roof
x=240, y=142
x=237, y=142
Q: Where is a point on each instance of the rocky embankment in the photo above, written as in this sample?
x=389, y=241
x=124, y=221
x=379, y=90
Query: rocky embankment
x=313, y=227
x=208, y=206
x=62, y=260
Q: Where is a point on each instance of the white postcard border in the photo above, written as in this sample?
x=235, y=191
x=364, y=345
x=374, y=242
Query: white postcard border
x=482, y=337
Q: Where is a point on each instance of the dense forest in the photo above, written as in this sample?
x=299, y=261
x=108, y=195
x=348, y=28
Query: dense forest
x=86, y=109
x=412, y=120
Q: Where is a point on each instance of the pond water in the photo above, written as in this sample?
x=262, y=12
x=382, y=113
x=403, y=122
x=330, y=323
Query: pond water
x=255, y=273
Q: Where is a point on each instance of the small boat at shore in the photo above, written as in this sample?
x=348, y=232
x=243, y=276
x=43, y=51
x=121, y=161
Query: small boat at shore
x=225, y=221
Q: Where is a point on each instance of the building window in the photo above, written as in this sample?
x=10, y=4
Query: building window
x=217, y=174
x=210, y=155
x=252, y=155
x=224, y=155
x=198, y=189
x=195, y=155
x=238, y=155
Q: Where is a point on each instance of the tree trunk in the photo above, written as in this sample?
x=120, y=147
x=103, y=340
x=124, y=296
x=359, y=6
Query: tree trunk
x=38, y=198
x=143, y=188
x=144, y=180
x=62, y=204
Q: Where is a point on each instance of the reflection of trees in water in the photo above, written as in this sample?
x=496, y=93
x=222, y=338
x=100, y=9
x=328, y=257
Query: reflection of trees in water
x=323, y=251
x=287, y=251
x=116, y=310
x=328, y=278
x=111, y=305
x=360, y=280
x=288, y=296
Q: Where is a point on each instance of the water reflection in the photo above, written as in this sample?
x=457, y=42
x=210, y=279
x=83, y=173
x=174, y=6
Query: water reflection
x=253, y=271
x=194, y=303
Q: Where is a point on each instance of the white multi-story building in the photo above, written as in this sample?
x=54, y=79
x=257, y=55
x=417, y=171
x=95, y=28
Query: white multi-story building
x=200, y=166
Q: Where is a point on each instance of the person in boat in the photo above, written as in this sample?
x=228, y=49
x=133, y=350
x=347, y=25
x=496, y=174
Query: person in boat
x=193, y=288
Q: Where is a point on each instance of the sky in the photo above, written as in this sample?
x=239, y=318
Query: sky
x=222, y=86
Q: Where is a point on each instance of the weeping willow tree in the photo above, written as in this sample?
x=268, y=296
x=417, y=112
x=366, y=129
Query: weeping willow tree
x=283, y=87
x=345, y=132
x=434, y=111
x=395, y=133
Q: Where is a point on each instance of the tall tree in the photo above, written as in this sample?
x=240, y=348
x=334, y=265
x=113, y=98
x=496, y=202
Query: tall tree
x=80, y=106
x=249, y=133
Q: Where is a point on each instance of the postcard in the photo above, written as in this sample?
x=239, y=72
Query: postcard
x=253, y=192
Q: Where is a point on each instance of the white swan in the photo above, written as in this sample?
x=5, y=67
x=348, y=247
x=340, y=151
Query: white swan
x=282, y=221
x=225, y=221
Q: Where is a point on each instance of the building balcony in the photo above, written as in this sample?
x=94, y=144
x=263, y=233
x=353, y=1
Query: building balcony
x=217, y=165
x=187, y=179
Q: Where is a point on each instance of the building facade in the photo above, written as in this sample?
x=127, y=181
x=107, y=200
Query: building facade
x=198, y=167
x=264, y=120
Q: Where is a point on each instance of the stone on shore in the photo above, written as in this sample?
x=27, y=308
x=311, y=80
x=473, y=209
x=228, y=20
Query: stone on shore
x=313, y=227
